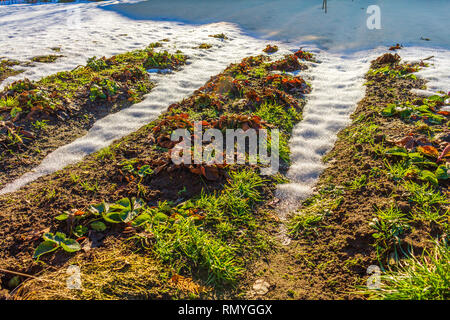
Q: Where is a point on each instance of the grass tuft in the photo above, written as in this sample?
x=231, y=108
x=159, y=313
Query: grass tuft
x=418, y=278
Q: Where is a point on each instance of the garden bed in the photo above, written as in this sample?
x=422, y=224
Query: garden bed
x=382, y=200
x=198, y=226
x=37, y=117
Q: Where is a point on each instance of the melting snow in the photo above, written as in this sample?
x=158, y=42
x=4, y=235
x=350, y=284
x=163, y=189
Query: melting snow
x=83, y=30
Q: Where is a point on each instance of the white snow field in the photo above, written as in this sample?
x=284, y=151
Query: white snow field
x=340, y=39
x=343, y=27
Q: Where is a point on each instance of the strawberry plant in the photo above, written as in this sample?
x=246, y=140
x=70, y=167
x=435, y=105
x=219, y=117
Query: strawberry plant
x=97, y=64
x=124, y=210
x=103, y=89
x=53, y=242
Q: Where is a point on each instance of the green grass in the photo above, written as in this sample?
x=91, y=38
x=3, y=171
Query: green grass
x=101, y=76
x=397, y=170
x=425, y=195
x=6, y=71
x=390, y=226
x=211, y=243
x=430, y=214
x=314, y=211
x=40, y=125
x=418, y=278
x=187, y=248
x=278, y=116
x=358, y=183
x=244, y=185
x=219, y=36
x=205, y=46
x=105, y=153
x=304, y=222
x=283, y=119
x=210, y=237
x=215, y=234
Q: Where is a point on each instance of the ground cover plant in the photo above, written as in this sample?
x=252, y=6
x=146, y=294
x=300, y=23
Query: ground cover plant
x=6, y=70
x=383, y=200
x=36, y=117
x=46, y=58
x=196, y=227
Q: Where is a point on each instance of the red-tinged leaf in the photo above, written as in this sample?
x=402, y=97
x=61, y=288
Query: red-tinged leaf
x=408, y=142
x=203, y=171
x=27, y=134
x=445, y=153
x=429, y=151
x=210, y=173
x=444, y=113
x=197, y=216
x=195, y=170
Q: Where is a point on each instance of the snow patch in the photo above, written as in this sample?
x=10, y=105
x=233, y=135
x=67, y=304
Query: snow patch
x=337, y=85
x=37, y=35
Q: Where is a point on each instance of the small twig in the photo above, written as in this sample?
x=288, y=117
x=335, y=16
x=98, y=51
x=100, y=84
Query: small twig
x=430, y=57
x=24, y=275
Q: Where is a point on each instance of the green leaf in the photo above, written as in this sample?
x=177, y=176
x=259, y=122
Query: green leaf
x=434, y=118
x=416, y=157
x=405, y=114
x=70, y=245
x=80, y=230
x=62, y=217
x=45, y=247
x=144, y=171
x=389, y=110
x=436, y=98
x=122, y=203
x=128, y=215
x=112, y=217
x=428, y=176
x=397, y=151
x=60, y=237
x=442, y=173
x=98, y=226
x=137, y=203
x=141, y=219
x=376, y=235
x=99, y=209
x=54, y=238
x=423, y=108
x=127, y=210
x=160, y=217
